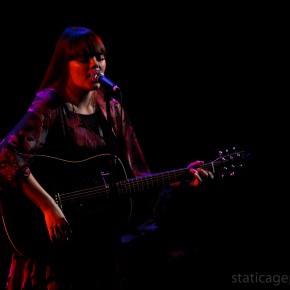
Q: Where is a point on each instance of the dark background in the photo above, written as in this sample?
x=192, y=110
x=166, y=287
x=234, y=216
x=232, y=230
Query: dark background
x=195, y=80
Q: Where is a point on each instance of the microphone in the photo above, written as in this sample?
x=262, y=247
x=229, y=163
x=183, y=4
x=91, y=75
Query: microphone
x=98, y=76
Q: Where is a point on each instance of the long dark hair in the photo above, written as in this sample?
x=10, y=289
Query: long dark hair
x=72, y=43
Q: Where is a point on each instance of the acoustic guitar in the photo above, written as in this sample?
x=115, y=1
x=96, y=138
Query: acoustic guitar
x=85, y=185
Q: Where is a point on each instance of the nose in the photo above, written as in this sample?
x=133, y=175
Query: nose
x=94, y=62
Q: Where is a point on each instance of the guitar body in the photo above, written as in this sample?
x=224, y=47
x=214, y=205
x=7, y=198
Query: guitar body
x=23, y=223
x=81, y=188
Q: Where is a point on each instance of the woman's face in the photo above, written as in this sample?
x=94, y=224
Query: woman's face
x=80, y=71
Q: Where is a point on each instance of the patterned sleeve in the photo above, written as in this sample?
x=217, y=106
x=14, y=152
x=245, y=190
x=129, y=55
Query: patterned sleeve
x=132, y=149
x=19, y=146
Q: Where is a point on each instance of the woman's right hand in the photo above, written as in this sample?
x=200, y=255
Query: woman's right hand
x=57, y=225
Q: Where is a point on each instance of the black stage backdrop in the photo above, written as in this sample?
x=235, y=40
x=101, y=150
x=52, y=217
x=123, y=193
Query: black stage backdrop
x=193, y=82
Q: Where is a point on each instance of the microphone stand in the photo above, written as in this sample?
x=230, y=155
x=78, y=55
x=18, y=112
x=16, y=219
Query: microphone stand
x=114, y=196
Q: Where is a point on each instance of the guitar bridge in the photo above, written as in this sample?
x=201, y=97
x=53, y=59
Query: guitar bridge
x=57, y=199
x=103, y=174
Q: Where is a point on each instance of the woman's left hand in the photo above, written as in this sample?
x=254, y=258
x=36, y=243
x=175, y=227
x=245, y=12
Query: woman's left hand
x=199, y=173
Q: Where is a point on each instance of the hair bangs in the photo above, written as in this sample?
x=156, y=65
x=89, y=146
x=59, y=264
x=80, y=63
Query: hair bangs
x=85, y=43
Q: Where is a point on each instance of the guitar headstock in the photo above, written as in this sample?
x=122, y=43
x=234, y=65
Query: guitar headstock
x=229, y=162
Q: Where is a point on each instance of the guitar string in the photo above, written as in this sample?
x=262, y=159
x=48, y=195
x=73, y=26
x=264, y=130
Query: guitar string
x=128, y=185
